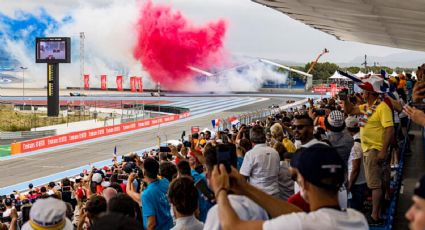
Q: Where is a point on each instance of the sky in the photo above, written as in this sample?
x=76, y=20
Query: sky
x=254, y=30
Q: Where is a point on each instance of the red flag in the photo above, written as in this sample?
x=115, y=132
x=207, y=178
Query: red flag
x=140, y=84
x=119, y=83
x=86, y=81
x=103, y=82
x=133, y=84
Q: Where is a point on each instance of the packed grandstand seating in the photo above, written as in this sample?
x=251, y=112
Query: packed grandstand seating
x=335, y=163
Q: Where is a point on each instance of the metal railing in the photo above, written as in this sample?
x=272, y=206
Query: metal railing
x=26, y=134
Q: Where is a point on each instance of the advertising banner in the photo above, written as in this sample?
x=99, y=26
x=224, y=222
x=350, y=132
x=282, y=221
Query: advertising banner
x=86, y=81
x=119, y=83
x=103, y=85
x=133, y=84
x=48, y=142
x=140, y=84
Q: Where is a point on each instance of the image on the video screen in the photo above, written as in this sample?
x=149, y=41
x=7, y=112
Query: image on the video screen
x=52, y=50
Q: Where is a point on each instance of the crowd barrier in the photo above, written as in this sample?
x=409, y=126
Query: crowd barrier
x=396, y=187
x=48, y=142
x=250, y=117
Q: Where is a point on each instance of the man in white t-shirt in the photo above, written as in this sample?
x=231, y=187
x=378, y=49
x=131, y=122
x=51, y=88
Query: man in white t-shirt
x=356, y=177
x=245, y=208
x=320, y=175
x=261, y=164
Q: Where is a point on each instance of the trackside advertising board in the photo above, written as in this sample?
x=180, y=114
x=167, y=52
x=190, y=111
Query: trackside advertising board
x=48, y=142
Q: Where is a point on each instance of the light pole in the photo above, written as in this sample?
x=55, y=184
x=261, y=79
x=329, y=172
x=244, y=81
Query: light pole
x=159, y=113
x=23, y=84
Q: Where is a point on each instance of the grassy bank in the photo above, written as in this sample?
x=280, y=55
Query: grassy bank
x=11, y=120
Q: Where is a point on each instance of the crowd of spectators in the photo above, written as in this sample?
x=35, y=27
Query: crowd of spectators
x=311, y=167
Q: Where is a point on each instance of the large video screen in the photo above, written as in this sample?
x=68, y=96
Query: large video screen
x=53, y=50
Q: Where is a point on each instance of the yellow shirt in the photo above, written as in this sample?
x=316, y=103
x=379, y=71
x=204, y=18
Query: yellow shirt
x=290, y=147
x=372, y=134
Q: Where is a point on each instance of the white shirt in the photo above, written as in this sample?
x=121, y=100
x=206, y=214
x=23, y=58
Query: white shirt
x=188, y=223
x=356, y=153
x=243, y=206
x=324, y=218
x=308, y=144
x=261, y=165
x=286, y=184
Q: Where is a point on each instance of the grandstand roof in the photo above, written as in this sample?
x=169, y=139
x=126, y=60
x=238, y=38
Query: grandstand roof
x=391, y=23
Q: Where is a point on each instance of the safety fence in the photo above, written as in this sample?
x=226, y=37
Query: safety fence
x=253, y=116
x=26, y=134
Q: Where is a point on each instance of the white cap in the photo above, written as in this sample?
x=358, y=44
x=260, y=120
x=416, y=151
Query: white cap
x=48, y=214
x=351, y=122
x=97, y=177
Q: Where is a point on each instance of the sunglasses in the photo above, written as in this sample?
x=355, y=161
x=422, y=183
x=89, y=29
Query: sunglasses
x=299, y=127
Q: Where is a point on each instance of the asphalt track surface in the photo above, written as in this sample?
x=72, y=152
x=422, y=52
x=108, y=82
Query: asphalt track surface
x=28, y=168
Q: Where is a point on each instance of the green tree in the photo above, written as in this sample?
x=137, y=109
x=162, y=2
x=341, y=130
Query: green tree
x=322, y=71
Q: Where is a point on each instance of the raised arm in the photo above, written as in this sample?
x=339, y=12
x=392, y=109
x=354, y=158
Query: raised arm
x=275, y=207
x=350, y=108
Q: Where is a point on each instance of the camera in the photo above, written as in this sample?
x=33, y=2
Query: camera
x=343, y=94
x=127, y=159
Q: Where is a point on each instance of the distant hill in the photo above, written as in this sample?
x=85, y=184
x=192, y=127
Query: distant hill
x=404, y=60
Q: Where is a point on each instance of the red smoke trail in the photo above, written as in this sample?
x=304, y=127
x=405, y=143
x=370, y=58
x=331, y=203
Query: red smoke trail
x=167, y=43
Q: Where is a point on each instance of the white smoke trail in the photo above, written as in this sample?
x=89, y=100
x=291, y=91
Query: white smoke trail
x=110, y=39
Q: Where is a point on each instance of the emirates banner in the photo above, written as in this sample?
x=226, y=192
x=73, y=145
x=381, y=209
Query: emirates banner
x=140, y=84
x=119, y=83
x=86, y=81
x=133, y=84
x=103, y=82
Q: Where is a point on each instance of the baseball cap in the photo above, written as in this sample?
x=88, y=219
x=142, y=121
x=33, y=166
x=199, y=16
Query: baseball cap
x=351, y=122
x=97, y=177
x=420, y=187
x=320, y=165
x=48, y=214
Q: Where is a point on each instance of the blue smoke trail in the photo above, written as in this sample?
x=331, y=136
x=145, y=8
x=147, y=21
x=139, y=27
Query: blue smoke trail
x=26, y=27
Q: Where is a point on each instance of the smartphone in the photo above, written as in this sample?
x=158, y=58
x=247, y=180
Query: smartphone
x=419, y=105
x=226, y=154
x=201, y=185
x=319, y=112
x=164, y=149
x=187, y=144
x=122, y=177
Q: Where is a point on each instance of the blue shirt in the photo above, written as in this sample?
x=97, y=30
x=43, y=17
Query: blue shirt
x=155, y=203
x=203, y=203
x=239, y=163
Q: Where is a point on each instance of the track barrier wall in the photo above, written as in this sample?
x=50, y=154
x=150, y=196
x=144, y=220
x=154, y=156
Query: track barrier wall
x=48, y=142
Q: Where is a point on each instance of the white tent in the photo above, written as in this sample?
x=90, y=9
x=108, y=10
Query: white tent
x=414, y=74
x=394, y=74
x=336, y=75
x=359, y=74
x=371, y=73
